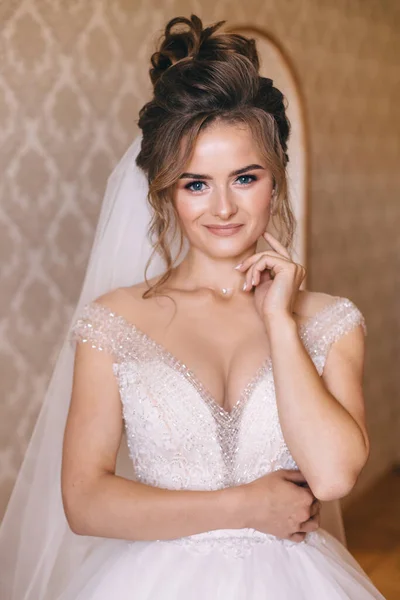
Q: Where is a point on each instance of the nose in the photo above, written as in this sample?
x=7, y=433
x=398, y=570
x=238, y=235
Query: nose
x=223, y=204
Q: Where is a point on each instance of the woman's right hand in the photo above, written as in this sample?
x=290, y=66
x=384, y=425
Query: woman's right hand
x=281, y=503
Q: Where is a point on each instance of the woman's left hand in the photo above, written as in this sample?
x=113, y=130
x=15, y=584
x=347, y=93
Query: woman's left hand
x=276, y=278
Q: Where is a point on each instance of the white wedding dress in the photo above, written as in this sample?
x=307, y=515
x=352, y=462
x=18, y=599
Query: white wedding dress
x=180, y=438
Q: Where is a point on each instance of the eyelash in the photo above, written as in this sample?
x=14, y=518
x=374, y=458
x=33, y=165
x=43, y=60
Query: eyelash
x=188, y=186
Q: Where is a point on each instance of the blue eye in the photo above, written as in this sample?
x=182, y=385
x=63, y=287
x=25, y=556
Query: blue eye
x=194, y=189
x=197, y=186
x=248, y=177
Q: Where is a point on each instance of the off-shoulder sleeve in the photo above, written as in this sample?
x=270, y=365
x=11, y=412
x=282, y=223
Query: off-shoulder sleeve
x=95, y=326
x=330, y=324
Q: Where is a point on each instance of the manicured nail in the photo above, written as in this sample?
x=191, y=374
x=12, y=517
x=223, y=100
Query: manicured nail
x=252, y=282
x=244, y=287
x=238, y=266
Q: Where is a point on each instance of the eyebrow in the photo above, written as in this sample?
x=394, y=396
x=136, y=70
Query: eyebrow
x=231, y=174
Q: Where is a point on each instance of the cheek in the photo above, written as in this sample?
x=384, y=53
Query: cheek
x=258, y=204
x=189, y=209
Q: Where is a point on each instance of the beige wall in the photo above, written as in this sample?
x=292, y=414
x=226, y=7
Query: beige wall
x=72, y=78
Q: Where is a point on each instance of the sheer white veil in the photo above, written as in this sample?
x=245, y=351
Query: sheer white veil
x=38, y=552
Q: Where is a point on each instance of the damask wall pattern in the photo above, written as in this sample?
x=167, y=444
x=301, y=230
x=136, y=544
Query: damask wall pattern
x=73, y=75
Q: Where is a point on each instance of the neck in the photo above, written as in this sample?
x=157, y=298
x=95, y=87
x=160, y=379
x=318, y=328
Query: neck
x=198, y=271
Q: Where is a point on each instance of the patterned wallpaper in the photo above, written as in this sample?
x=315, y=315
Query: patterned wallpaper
x=73, y=75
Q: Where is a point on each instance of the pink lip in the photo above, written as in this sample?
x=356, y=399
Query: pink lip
x=224, y=230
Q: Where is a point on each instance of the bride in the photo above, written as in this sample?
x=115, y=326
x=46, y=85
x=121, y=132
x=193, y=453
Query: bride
x=208, y=404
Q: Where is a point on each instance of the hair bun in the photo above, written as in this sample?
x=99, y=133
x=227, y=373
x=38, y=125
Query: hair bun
x=193, y=42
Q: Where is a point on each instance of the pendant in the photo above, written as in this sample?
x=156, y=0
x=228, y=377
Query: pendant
x=226, y=291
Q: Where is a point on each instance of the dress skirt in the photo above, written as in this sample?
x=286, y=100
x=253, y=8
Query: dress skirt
x=222, y=565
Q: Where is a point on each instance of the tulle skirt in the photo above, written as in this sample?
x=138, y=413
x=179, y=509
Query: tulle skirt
x=222, y=565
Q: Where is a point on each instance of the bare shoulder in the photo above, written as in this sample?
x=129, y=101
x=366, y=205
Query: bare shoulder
x=128, y=302
x=116, y=298
x=309, y=303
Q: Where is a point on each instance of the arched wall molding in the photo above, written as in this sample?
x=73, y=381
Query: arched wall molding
x=277, y=65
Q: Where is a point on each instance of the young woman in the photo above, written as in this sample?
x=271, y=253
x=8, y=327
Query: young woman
x=240, y=395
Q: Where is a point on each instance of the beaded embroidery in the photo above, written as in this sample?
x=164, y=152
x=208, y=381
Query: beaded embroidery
x=235, y=543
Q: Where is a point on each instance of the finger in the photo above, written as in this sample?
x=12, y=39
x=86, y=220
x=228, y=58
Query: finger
x=276, y=244
x=258, y=268
x=310, y=525
x=266, y=261
x=274, y=262
x=315, y=508
x=252, y=277
x=313, y=521
x=248, y=262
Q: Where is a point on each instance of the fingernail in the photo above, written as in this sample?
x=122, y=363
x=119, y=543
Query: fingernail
x=244, y=287
x=252, y=282
x=238, y=266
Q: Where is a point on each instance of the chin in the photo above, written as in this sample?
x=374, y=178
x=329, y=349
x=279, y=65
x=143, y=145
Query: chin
x=228, y=246
x=225, y=249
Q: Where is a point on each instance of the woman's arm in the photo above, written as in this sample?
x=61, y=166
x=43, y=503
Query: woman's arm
x=97, y=502
x=322, y=419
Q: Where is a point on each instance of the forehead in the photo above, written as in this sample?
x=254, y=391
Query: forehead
x=224, y=146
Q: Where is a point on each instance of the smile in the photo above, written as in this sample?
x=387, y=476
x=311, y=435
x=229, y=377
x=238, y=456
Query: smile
x=224, y=230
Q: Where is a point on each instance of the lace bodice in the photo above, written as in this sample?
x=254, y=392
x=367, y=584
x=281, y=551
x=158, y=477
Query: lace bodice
x=178, y=436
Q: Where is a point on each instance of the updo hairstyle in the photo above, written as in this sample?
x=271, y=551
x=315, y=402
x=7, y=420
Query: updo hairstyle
x=201, y=76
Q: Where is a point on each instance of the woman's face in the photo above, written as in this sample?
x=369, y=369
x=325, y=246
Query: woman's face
x=223, y=197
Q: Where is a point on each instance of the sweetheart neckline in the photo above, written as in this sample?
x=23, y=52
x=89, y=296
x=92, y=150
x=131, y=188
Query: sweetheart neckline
x=190, y=375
